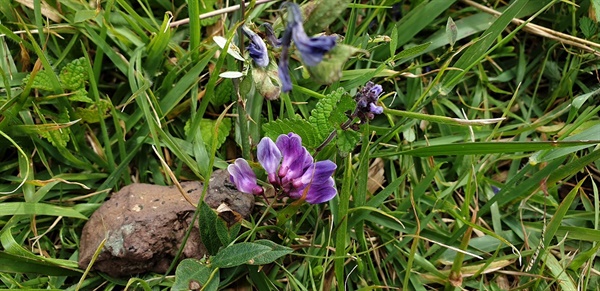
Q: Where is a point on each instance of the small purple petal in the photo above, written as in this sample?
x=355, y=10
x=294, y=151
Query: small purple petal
x=319, y=172
x=321, y=193
x=257, y=48
x=283, y=68
x=376, y=90
x=291, y=149
x=375, y=109
x=243, y=177
x=269, y=157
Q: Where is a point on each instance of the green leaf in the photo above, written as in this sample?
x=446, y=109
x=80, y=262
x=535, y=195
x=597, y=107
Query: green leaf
x=208, y=231
x=227, y=234
x=347, y=140
x=80, y=95
x=73, y=76
x=84, y=15
x=207, y=130
x=320, y=116
x=10, y=263
x=191, y=274
x=276, y=252
x=28, y=208
x=42, y=80
x=451, y=31
x=411, y=51
x=224, y=93
x=587, y=26
x=299, y=126
x=205, y=7
x=253, y=253
x=482, y=148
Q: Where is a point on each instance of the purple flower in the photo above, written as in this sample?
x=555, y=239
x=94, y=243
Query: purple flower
x=312, y=49
x=290, y=169
x=257, y=48
x=366, y=102
x=243, y=177
x=269, y=158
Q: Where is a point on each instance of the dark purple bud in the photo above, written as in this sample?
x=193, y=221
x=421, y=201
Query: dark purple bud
x=243, y=177
x=257, y=48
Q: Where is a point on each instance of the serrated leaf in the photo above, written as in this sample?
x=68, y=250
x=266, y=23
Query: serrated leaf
x=207, y=129
x=80, y=95
x=191, y=274
x=299, y=126
x=251, y=253
x=73, y=76
x=347, y=140
x=587, y=26
x=42, y=81
x=319, y=117
x=330, y=112
x=60, y=137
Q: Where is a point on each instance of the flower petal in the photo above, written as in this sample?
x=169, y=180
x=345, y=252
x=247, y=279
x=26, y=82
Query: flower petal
x=321, y=193
x=375, y=109
x=283, y=70
x=319, y=172
x=243, y=177
x=257, y=48
x=312, y=49
x=269, y=157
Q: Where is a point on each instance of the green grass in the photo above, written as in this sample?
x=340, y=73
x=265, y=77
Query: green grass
x=488, y=146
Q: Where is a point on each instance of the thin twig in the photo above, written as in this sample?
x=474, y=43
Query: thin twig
x=543, y=31
x=218, y=12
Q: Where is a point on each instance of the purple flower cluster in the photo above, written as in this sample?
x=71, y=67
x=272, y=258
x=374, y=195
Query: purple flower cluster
x=290, y=169
x=366, y=101
x=312, y=49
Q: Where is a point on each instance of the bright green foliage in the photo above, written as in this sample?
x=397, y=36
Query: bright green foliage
x=303, y=128
x=41, y=81
x=60, y=137
x=207, y=129
x=73, y=75
x=483, y=169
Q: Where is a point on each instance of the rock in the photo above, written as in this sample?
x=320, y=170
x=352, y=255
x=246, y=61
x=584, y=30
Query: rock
x=144, y=225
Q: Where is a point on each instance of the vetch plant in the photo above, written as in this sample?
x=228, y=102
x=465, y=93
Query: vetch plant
x=291, y=170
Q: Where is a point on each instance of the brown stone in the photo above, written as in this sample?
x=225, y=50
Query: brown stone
x=144, y=225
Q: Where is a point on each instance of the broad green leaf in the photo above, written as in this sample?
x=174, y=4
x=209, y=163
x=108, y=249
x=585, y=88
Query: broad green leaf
x=207, y=219
x=42, y=80
x=192, y=274
x=252, y=253
x=347, y=140
x=451, y=31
